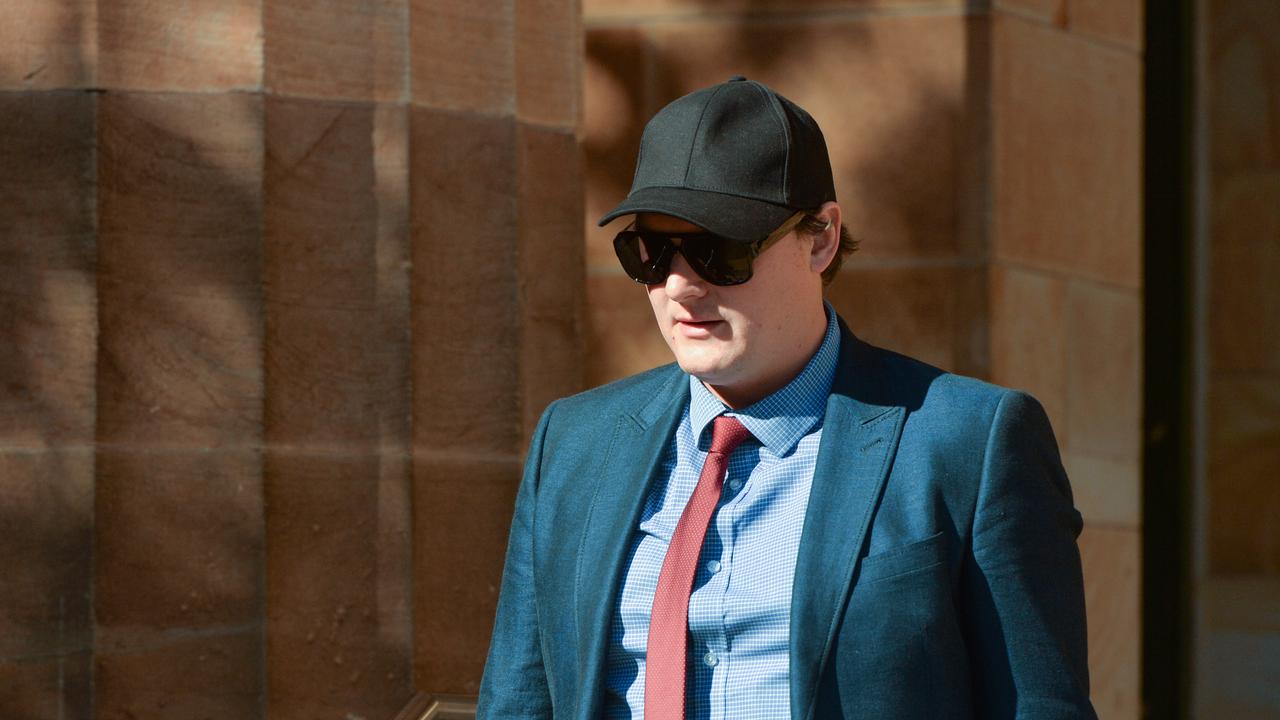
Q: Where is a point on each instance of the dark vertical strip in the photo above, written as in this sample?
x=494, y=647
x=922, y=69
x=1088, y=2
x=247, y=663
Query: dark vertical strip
x=1168, y=359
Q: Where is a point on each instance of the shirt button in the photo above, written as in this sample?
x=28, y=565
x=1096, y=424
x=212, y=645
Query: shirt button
x=713, y=566
x=710, y=659
x=735, y=484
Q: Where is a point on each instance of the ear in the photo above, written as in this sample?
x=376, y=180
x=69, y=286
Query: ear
x=827, y=242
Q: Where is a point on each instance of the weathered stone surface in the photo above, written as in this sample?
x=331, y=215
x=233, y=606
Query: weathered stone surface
x=190, y=46
x=352, y=51
x=177, y=542
x=462, y=512
x=1067, y=121
x=48, y=44
x=180, y=270
x=547, y=58
x=466, y=331
x=209, y=676
x=1029, y=338
x=46, y=536
x=550, y=270
x=1104, y=371
x=464, y=55
x=48, y=315
x=56, y=687
x=338, y=604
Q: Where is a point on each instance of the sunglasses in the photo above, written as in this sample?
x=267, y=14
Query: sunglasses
x=646, y=255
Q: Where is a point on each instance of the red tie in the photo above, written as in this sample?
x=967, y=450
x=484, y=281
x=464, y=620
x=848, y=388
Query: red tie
x=665, y=666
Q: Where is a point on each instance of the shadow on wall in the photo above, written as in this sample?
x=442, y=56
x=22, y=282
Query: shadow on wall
x=47, y=351
x=903, y=101
x=151, y=294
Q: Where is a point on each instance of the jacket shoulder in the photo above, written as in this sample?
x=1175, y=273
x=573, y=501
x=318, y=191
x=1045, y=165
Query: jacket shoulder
x=628, y=395
x=937, y=390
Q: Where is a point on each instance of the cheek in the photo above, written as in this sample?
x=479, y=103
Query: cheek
x=657, y=300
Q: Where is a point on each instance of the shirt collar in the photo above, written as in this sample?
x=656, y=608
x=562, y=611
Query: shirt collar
x=779, y=420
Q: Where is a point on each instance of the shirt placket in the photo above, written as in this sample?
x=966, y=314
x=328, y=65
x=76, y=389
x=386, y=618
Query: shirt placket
x=708, y=605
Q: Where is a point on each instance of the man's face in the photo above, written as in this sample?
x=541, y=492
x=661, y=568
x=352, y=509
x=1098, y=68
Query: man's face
x=739, y=339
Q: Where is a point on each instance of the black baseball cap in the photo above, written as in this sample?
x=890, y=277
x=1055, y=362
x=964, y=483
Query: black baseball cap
x=737, y=159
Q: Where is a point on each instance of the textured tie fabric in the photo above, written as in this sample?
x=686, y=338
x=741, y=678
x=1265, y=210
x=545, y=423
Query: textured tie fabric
x=665, y=657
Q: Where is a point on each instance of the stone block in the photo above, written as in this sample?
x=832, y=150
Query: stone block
x=1108, y=492
x=206, y=676
x=179, y=371
x=1243, y=97
x=1112, y=584
x=323, y=384
x=930, y=313
x=622, y=336
x=177, y=542
x=622, y=10
x=462, y=508
x=1029, y=338
x=1248, y=603
x=46, y=169
x=1244, y=462
x=1067, y=183
x=892, y=94
x=47, y=292
x=323, y=359
x=181, y=176
x=48, y=44
x=189, y=46
x=338, y=563
x=464, y=55
x=56, y=687
x=1104, y=371
x=466, y=332
x=1117, y=21
x=1050, y=11
x=351, y=51
x=615, y=109
x=550, y=269
x=547, y=55
x=1244, y=307
x=46, y=523
x=180, y=269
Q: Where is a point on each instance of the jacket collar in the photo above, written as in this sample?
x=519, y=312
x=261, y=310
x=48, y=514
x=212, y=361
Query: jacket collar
x=859, y=439
x=629, y=469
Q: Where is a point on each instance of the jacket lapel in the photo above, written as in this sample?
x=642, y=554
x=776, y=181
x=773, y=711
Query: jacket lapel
x=627, y=473
x=859, y=437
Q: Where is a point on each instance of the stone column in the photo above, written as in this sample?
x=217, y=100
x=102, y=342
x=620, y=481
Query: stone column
x=284, y=287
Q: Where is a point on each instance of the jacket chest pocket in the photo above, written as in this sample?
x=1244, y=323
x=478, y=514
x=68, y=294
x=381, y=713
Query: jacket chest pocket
x=903, y=560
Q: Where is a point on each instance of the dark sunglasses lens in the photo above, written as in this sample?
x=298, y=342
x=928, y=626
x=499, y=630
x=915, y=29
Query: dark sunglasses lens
x=719, y=261
x=644, y=259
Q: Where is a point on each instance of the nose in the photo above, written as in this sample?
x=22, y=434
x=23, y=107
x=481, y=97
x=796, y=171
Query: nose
x=682, y=282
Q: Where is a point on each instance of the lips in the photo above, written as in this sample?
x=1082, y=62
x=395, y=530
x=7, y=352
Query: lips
x=696, y=329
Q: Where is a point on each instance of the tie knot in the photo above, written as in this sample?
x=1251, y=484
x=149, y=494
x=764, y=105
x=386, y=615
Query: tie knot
x=727, y=433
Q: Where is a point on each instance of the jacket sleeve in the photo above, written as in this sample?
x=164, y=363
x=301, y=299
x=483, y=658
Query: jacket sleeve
x=515, y=681
x=1021, y=583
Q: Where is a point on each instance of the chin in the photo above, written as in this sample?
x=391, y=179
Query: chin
x=707, y=368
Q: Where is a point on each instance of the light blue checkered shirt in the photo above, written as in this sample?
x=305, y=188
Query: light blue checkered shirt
x=739, y=612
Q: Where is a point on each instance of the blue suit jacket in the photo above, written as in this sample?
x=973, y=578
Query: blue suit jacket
x=937, y=577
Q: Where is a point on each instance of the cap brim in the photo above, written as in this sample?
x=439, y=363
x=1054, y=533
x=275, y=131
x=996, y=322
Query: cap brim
x=734, y=217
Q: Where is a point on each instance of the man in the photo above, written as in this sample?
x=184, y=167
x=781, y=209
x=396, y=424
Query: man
x=787, y=522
